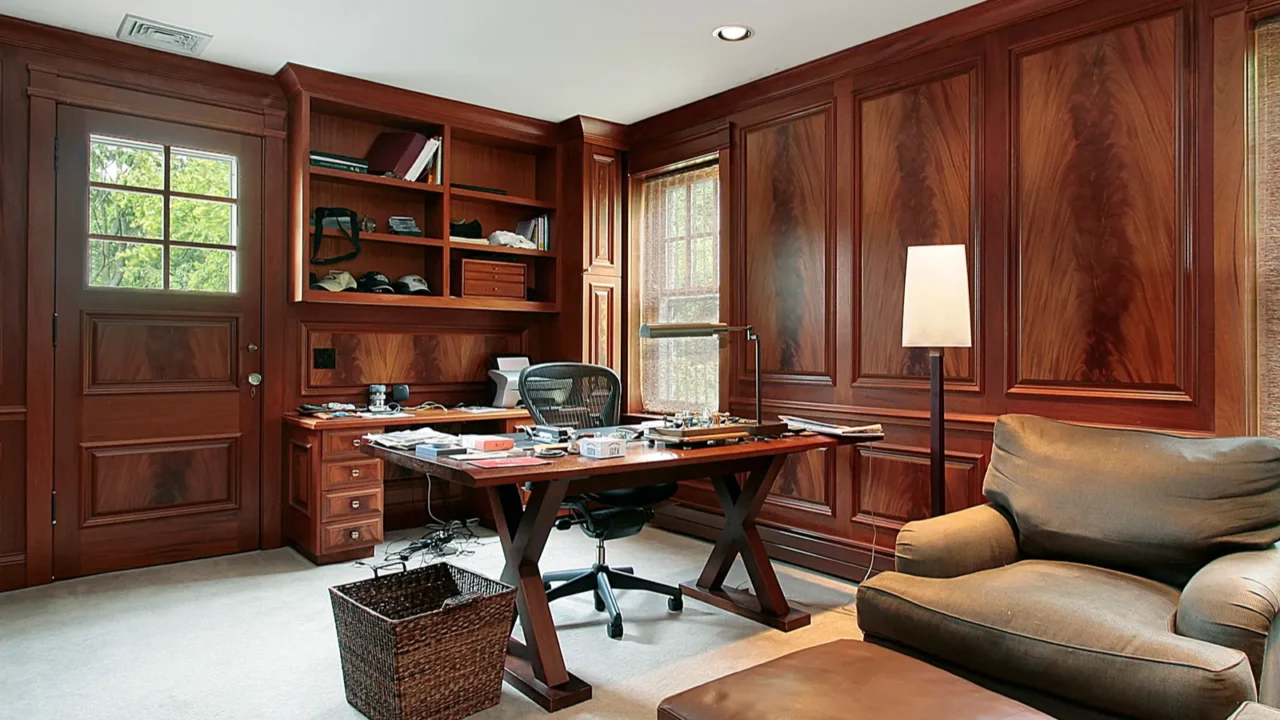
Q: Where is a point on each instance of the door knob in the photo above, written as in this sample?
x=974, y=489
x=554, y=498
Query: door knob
x=254, y=381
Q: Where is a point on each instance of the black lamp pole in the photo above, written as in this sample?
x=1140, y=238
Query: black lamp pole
x=937, y=452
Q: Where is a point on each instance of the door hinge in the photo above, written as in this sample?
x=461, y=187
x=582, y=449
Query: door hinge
x=55, y=153
x=53, y=507
x=55, y=329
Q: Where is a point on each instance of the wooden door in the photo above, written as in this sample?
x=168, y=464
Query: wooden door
x=156, y=424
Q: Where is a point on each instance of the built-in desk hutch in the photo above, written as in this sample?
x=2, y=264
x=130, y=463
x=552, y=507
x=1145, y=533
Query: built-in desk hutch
x=562, y=301
x=518, y=171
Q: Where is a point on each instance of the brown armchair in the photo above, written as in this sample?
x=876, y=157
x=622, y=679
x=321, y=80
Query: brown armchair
x=1115, y=573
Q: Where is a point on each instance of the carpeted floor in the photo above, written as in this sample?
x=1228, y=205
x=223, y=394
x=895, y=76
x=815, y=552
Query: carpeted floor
x=251, y=636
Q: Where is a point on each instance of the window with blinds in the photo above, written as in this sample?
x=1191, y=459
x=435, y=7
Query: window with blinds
x=1267, y=281
x=680, y=283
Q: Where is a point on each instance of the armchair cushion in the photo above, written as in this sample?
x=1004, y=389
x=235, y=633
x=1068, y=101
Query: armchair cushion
x=1233, y=601
x=1099, y=637
x=1154, y=504
x=978, y=538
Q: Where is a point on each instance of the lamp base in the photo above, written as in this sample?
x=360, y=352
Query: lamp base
x=766, y=429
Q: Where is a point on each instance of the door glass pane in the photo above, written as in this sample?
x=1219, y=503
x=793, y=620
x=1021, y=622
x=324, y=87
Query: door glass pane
x=126, y=214
x=196, y=269
x=202, y=173
x=125, y=264
x=126, y=162
x=201, y=221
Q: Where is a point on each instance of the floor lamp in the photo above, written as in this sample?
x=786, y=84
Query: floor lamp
x=935, y=315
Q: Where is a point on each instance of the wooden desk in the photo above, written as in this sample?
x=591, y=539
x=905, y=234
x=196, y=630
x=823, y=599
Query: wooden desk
x=334, y=497
x=537, y=668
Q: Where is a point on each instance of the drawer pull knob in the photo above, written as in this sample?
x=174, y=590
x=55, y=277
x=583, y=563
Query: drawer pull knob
x=355, y=534
x=355, y=442
x=355, y=472
x=355, y=504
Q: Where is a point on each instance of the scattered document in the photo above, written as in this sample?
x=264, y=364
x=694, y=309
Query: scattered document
x=409, y=439
x=797, y=423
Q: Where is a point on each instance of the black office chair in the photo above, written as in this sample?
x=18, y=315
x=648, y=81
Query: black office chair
x=583, y=397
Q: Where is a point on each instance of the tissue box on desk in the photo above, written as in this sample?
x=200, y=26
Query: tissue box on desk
x=600, y=448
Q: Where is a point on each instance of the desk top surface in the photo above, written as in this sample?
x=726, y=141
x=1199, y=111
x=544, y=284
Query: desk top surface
x=420, y=417
x=639, y=458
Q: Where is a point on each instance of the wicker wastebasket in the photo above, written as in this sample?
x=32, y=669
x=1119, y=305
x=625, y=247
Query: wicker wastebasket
x=425, y=644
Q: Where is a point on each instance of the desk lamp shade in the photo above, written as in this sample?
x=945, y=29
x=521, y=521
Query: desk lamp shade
x=935, y=309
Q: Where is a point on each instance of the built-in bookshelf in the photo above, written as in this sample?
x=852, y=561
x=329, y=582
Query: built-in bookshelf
x=522, y=173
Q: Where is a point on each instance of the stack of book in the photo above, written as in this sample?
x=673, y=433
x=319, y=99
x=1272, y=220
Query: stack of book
x=537, y=231
x=402, y=225
x=408, y=156
x=334, y=161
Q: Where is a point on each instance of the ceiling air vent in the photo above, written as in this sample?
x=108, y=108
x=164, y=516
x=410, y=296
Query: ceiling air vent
x=141, y=31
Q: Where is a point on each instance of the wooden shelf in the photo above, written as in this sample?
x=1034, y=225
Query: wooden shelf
x=500, y=250
x=393, y=238
x=356, y=178
x=426, y=301
x=500, y=199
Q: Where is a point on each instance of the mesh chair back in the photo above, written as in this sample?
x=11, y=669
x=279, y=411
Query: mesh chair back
x=572, y=395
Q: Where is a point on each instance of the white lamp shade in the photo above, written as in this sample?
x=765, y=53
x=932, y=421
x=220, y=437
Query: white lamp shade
x=935, y=306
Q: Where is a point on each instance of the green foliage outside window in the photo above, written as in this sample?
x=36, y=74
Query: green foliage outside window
x=124, y=213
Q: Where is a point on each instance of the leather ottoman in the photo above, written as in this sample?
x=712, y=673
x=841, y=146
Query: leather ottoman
x=842, y=679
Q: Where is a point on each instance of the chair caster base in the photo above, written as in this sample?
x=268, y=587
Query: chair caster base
x=675, y=604
x=615, y=628
x=599, y=603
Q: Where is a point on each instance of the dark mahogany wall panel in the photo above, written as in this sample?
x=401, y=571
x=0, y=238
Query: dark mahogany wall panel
x=786, y=197
x=1091, y=156
x=421, y=357
x=916, y=183
x=1100, y=247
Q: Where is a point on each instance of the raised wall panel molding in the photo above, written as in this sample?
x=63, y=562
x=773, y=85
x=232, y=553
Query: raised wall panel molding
x=918, y=175
x=787, y=221
x=892, y=482
x=1103, y=293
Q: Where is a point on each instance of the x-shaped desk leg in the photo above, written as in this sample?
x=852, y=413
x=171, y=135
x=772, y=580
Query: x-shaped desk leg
x=741, y=504
x=535, y=667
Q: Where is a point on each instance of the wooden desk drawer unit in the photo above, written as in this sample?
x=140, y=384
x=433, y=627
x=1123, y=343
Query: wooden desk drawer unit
x=344, y=475
x=338, y=443
x=340, y=506
x=487, y=278
x=355, y=535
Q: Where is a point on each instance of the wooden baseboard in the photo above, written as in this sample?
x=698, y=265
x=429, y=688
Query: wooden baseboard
x=13, y=571
x=839, y=558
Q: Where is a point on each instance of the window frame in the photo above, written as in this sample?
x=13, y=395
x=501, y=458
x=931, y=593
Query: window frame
x=167, y=194
x=720, y=157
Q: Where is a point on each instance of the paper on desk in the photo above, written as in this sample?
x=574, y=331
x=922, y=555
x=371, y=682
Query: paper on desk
x=513, y=363
x=409, y=439
x=480, y=455
x=523, y=461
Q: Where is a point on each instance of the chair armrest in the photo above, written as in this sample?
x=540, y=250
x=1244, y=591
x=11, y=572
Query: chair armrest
x=1254, y=711
x=979, y=538
x=1233, y=602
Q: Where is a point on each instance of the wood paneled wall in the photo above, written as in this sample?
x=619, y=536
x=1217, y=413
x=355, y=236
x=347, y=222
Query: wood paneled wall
x=1074, y=149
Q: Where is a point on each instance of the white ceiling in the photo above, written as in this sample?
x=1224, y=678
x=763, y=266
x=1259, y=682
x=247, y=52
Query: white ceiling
x=552, y=59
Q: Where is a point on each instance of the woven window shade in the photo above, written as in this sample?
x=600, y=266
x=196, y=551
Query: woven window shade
x=680, y=282
x=1268, y=226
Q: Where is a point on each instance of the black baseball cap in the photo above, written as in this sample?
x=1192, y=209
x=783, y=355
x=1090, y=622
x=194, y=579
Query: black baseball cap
x=412, y=285
x=374, y=282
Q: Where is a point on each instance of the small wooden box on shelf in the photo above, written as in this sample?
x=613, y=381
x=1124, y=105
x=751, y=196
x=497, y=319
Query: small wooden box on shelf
x=332, y=114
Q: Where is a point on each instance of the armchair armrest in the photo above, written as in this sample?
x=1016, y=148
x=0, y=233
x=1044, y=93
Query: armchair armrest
x=979, y=538
x=1233, y=602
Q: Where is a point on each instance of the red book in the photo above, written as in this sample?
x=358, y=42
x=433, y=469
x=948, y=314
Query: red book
x=395, y=152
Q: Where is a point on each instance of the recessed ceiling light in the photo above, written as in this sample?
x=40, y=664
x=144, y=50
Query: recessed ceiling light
x=733, y=33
